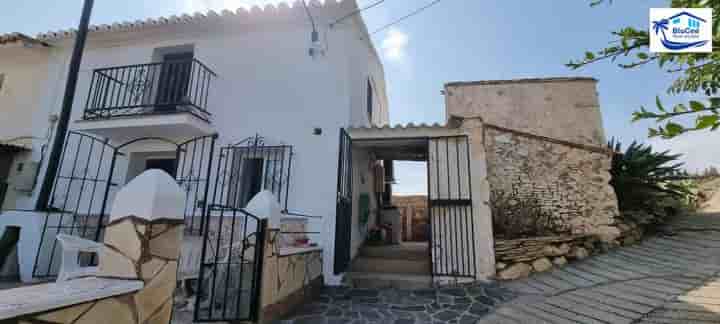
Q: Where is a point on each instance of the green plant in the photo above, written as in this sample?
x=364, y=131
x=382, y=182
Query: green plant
x=375, y=236
x=697, y=74
x=648, y=181
x=515, y=217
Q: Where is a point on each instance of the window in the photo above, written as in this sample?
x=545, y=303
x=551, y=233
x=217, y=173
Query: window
x=369, y=101
x=2, y=81
x=246, y=181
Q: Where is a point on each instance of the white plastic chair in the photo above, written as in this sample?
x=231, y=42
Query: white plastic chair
x=71, y=247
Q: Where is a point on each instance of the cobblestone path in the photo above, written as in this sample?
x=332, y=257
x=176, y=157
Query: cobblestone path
x=666, y=279
x=393, y=306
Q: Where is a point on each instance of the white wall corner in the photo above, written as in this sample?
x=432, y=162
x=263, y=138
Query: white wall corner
x=265, y=205
x=152, y=195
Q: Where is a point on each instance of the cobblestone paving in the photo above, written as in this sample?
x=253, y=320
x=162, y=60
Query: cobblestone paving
x=392, y=306
x=668, y=279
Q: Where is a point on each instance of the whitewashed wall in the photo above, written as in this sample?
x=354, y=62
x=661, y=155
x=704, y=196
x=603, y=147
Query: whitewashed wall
x=267, y=84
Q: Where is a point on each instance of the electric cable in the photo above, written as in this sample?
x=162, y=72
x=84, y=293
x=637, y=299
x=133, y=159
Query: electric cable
x=416, y=12
x=355, y=12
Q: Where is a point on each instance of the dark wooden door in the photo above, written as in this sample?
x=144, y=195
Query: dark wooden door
x=343, y=209
x=174, y=81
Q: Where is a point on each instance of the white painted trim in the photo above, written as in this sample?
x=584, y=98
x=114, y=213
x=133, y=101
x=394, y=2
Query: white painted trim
x=287, y=251
x=195, y=126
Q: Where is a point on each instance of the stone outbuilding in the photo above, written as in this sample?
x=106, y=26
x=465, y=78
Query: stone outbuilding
x=539, y=140
x=544, y=139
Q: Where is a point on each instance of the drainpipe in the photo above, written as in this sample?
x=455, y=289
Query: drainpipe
x=69, y=97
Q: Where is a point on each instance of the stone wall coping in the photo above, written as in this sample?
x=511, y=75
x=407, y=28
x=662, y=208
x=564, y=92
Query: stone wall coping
x=44, y=297
x=152, y=195
x=515, y=81
x=544, y=239
x=589, y=148
x=294, y=218
x=288, y=251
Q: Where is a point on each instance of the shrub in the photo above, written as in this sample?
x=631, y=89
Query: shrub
x=649, y=182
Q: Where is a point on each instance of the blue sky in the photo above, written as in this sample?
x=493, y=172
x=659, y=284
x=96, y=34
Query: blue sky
x=456, y=40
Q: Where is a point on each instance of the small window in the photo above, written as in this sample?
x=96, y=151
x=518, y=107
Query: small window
x=369, y=101
x=2, y=81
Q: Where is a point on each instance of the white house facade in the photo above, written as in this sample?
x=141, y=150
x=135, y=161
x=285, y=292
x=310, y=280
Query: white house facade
x=284, y=109
x=160, y=93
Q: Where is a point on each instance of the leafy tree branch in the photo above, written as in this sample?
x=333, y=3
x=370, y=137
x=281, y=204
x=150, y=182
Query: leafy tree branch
x=697, y=74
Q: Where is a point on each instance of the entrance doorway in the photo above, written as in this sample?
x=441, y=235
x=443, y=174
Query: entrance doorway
x=174, y=81
x=167, y=165
x=450, y=249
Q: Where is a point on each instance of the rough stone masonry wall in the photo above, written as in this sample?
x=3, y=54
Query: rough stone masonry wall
x=571, y=181
x=288, y=280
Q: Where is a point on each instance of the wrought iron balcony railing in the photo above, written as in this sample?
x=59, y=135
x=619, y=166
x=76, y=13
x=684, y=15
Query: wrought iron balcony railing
x=154, y=88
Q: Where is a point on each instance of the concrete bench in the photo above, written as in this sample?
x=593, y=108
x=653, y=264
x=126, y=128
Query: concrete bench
x=40, y=298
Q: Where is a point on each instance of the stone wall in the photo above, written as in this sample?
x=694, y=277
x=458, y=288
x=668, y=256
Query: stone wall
x=571, y=181
x=123, y=258
x=291, y=276
x=562, y=108
x=142, y=244
x=518, y=258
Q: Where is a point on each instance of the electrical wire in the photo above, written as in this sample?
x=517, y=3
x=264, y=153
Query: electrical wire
x=312, y=19
x=355, y=12
x=405, y=17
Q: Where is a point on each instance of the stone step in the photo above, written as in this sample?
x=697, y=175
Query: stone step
x=412, y=251
x=376, y=280
x=383, y=265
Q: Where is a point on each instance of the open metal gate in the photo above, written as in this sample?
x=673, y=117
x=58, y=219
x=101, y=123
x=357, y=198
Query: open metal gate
x=343, y=209
x=231, y=262
x=452, y=226
x=87, y=181
x=79, y=200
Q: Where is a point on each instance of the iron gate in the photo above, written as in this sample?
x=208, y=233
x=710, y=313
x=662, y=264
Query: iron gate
x=452, y=225
x=87, y=182
x=232, y=251
x=79, y=199
x=194, y=160
x=343, y=209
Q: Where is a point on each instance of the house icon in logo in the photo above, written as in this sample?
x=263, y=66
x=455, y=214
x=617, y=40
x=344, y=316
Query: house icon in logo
x=691, y=21
x=679, y=30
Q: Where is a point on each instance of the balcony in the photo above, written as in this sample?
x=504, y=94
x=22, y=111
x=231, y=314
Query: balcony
x=168, y=99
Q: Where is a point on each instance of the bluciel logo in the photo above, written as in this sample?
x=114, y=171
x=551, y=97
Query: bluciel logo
x=680, y=30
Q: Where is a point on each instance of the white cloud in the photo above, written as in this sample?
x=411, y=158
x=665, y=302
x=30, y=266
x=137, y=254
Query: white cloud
x=394, y=43
x=700, y=149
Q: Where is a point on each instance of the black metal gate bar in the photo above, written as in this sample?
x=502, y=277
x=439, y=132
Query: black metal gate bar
x=194, y=160
x=450, y=207
x=275, y=161
x=233, y=239
x=343, y=210
x=86, y=174
x=70, y=210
